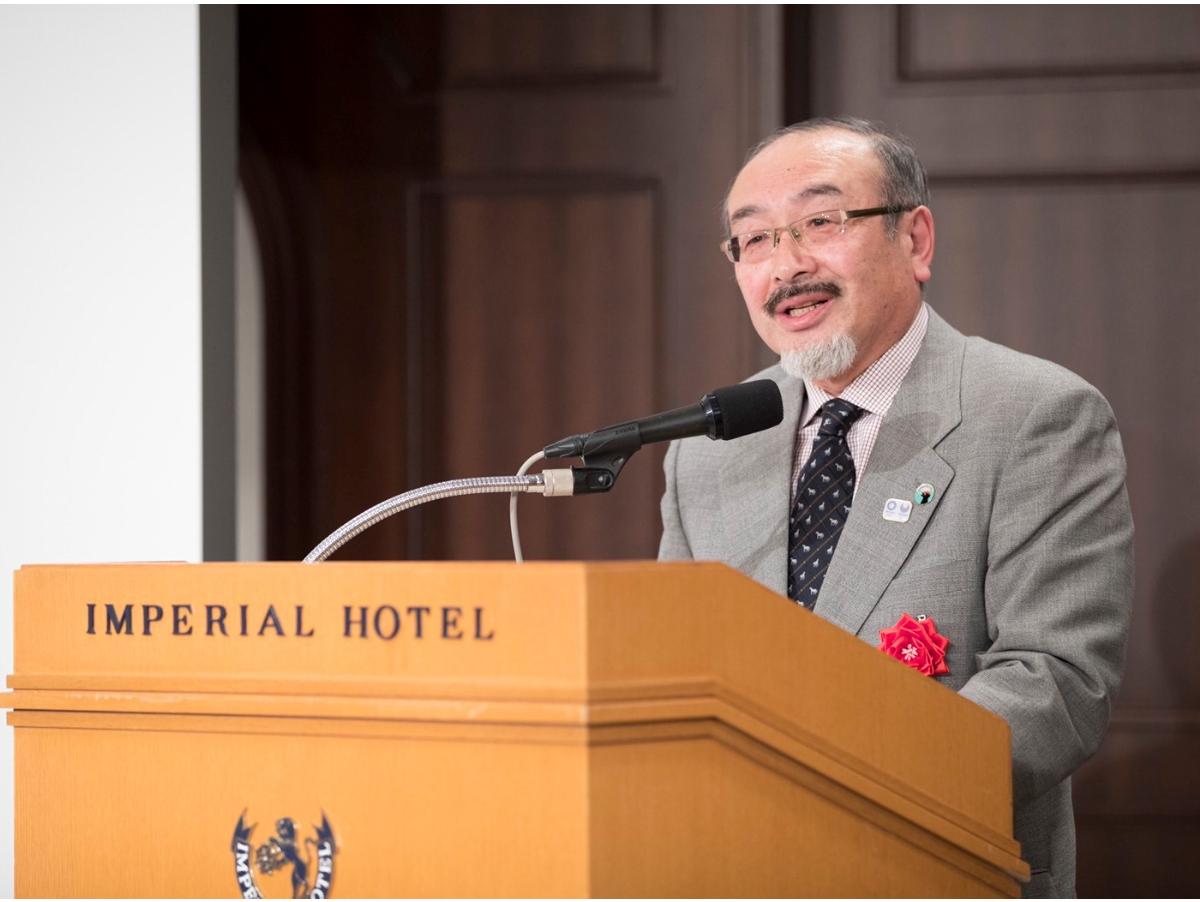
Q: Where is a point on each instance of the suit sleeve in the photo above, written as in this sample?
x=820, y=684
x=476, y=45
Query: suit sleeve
x=1059, y=587
x=674, y=544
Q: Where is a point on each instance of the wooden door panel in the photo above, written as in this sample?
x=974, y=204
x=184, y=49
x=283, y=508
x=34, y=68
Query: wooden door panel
x=552, y=46
x=944, y=43
x=544, y=321
x=1097, y=118
x=1063, y=149
x=484, y=228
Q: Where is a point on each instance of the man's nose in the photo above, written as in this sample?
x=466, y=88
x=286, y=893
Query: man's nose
x=791, y=258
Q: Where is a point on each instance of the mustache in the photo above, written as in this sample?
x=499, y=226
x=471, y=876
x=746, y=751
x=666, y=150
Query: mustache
x=797, y=288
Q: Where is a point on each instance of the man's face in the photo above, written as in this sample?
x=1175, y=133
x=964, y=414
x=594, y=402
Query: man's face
x=862, y=284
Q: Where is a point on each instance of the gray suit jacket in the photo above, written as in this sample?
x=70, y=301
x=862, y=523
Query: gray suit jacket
x=1024, y=557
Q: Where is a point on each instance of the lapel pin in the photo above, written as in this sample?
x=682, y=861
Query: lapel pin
x=897, y=510
x=923, y=494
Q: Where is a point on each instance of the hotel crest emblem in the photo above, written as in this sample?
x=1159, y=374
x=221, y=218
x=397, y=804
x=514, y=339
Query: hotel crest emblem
x=310, y=860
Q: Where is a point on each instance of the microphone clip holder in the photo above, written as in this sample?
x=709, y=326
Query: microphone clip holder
x=598, y=474
x=604, y=453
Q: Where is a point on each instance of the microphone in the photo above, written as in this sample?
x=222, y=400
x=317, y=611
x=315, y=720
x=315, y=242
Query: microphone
x=726, y=413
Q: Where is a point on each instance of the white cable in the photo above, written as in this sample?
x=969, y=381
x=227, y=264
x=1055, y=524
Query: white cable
x=551, y=483
x=512, y=508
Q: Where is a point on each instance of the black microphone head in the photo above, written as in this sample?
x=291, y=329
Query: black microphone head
x=747, y=407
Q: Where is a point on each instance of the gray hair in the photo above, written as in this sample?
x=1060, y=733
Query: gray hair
x=905, y=183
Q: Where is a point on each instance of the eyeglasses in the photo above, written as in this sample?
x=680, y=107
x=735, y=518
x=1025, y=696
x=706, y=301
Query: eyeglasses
x=813, y=230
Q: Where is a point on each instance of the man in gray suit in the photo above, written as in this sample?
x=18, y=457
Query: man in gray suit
x=977, y=487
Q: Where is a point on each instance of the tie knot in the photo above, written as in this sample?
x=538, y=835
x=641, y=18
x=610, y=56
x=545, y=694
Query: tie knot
x=837, y=416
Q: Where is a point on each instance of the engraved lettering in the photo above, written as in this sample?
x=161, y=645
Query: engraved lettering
x=215, y=616
x=386, y=627
x=450, y=629
x=91, y=619
x=242, y=867
x=350, y=621
x=419, y=613
x=300, y=623
x=151, y=614
x=273, y=619
x=179, y=619
x=491, y=634
x=324, y=870
x=113, y=624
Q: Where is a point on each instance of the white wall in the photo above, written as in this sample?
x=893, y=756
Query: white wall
x=100, y=407
x=251, y=388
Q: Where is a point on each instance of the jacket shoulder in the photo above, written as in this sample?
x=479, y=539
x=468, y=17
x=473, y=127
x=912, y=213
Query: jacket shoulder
x=995, y=373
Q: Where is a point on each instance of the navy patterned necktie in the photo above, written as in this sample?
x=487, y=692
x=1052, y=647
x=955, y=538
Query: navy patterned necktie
x=823, y=494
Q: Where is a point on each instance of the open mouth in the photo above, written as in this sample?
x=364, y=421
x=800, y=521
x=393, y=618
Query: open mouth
x=798, y=301
x=803, y=307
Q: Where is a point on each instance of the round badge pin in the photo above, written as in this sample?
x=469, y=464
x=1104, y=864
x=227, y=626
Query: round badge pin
x=923, y=494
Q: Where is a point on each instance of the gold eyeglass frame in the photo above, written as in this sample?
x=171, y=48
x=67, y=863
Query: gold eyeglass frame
x=730, y=249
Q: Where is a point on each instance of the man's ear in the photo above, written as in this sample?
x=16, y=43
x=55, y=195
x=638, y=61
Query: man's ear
x=921, y=237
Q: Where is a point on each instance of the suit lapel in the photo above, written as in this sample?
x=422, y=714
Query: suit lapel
x=755, y=487
x=871, y=549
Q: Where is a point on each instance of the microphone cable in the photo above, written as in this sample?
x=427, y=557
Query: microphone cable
x=726, y=413
x=512, y=507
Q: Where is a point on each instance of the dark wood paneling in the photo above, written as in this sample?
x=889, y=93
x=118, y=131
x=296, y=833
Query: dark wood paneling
x=940, y=179
x=1096, y=124
x=1137, y=803
x=1113, y=787
x=482, y=229
x=1066, y=174
x=542, y=320
x=317, y=161
x=552, y=46
x=951, y=43
x=798, y=63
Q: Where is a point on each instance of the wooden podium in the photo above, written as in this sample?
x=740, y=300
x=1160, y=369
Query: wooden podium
x=483, y=729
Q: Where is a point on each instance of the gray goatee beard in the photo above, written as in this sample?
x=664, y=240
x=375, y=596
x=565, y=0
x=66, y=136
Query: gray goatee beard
x=825, y=360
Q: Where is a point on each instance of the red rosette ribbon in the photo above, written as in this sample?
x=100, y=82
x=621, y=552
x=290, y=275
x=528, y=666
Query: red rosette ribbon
x=917, y=643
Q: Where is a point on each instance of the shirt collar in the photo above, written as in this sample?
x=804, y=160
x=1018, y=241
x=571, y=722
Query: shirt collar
x=876, y=387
